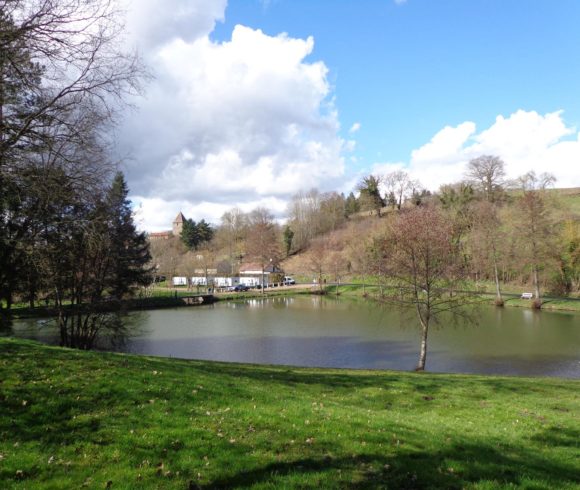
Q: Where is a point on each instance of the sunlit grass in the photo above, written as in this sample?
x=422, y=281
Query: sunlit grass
x=74, y=418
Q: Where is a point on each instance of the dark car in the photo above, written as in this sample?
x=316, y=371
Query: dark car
x=241, y=287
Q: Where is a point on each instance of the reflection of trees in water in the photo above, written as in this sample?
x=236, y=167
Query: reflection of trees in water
x=126, y=327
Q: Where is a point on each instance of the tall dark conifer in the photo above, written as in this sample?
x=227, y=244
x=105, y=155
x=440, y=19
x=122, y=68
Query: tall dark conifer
x=129, y=249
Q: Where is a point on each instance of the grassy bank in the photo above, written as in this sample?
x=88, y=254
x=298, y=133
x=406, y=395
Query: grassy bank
x=72, y=419
x=511, y=298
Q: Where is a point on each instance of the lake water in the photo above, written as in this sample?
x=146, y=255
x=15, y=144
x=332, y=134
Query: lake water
x=326, y=332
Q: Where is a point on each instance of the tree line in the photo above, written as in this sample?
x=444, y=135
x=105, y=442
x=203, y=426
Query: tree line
x=67, y=237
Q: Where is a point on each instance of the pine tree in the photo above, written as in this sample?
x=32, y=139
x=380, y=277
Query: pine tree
x=129, y=249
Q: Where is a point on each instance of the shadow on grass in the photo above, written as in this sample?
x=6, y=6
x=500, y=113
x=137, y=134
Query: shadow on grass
x=424, y=383
x=453, y=467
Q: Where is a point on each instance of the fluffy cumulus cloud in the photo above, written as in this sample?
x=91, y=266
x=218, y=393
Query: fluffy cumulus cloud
x=246, y=122
x=525, y=141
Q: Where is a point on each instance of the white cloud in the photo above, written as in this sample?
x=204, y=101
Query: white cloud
x=227, y=123
x=525, y=141
x=154, y=22
x=354, y=128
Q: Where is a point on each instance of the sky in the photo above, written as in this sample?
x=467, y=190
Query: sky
x=252, y=101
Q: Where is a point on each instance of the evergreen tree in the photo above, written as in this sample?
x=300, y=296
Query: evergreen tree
x=370, y=195
x=204, y=231
x=288, y=237
x=129, y=249
x=194, y=234
x=189, y=234
x=351, y=205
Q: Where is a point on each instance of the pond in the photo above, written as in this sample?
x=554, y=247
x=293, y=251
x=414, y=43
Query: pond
x=326, y=332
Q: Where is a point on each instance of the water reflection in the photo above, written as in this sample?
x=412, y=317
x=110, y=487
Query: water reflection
x=330, y=332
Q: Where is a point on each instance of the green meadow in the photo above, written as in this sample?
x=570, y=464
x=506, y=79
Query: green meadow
x=74, y=419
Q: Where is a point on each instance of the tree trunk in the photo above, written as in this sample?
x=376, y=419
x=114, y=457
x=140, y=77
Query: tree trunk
x=538, y=300
x=498, y=297
x=263, y=281
x=423, y=352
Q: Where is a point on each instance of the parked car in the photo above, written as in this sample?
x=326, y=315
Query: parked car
x=241, y=288
x=288, y=281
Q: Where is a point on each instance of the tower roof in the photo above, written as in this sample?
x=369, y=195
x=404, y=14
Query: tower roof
x=179, y=218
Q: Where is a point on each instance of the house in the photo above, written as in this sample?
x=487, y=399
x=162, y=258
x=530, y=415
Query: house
x=251, y=274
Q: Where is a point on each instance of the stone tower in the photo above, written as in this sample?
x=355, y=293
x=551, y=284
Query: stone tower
x=178, y=224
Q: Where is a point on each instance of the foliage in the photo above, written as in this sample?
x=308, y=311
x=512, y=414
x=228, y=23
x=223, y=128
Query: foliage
x=351, y=205
x=287, y=237
x=370, y=195
x=194, y=235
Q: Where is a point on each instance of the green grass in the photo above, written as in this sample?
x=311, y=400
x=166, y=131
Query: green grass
x=355, y=289
x=96, y=420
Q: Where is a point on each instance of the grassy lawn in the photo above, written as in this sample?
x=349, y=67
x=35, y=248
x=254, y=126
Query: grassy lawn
x=97, y=420
x=511, y=296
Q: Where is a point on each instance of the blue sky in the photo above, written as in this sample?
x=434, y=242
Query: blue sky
x=255, y=100
x=406, y=70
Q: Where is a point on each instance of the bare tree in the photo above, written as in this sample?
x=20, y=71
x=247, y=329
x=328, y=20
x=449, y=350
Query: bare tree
x=424, y=263
x=485, y=239
x=231, y=233
x=487, y=175
x=317, y=260
x=263, y=243
x=535, y=226
x=76, y=49
x=399, y=184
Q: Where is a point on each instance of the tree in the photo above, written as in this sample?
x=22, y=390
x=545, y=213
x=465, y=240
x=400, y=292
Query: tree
x=456, y=200
x=63, y=74
x=262, y=243
x=486, y=237
x=303, y=217
x=317, y=260
x=287, y=237
x=193, y=234
x=351, y=205
x=487, y=175
x=399, y=184
x=60, y=56
x=424, y=263
x=535, y=227
x=129, y=250
x=231, y=234
x=370, y=194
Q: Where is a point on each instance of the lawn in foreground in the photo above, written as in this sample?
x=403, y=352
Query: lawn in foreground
x=71, y=419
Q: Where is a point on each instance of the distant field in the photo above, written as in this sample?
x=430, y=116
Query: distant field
x=569, y=199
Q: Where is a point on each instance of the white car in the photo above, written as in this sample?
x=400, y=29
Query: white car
x=288, y=281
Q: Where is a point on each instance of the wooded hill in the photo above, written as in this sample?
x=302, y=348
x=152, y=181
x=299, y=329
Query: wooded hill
x=328, y=236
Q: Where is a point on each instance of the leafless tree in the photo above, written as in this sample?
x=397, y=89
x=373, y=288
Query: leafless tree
x=400, y=184
x=422, y=260
x=535, y=226
x=231, y=234
x=76, y=49
x=486, y=239
x=487, y=175
x=263, y=242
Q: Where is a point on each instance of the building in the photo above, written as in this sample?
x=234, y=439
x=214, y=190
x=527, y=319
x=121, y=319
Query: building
x=178, y=224
x=177, y=228
x=251, y=274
